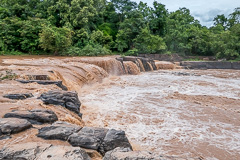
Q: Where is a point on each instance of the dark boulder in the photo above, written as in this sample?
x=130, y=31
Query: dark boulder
x=37, y=116
x=99, y=139
x=42, y=151
x=58, y=130
x=66, y=99
x=18, y=96
x=45, y=82
x=13, y=125
x=89, y=137
x=115, y=138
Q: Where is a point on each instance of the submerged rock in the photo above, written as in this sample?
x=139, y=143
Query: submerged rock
x=37, y=116
x=19, y=96
x=66, y=99
x=42, y=151
x=13, y=125
x=45, y=82
x=58, y=130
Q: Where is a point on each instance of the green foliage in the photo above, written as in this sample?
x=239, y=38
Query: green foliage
x=99, y=27
x=129, y=29
x=148, y=43
x=55, y=39
x=89, y=50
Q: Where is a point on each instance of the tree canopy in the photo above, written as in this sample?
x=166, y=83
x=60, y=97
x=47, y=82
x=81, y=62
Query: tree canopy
x=98, y=27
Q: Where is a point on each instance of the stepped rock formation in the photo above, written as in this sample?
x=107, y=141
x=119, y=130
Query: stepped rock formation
x=36, y=116
x=46, y=94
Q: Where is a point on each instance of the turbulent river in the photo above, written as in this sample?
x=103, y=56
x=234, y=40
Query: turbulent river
x=181, y=113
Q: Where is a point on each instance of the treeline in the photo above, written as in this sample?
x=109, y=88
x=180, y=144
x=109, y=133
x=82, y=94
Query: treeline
x=99, y=27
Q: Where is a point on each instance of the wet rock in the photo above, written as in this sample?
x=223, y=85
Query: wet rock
x=89, y=137
x=38, y=77
x=13, y=125
x=147, y=62
x=45, y=82
x=58, y=130
x=115, y=138
x=64, y=152
x=127, y=153
x=42, y=151
x=99, y=139
x=66, y=99
x=18, y=96
x=129, y=58
x=37, y=116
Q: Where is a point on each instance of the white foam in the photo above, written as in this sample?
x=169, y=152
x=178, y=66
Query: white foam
x=142, y=101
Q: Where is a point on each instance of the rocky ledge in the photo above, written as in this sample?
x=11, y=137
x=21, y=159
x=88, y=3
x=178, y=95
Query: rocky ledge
x=65, y=99
x=36, y=116
x=42, y=151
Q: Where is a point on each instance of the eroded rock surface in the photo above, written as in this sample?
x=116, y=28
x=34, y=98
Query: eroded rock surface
x=59, y=130
x=37, y=116
x=66, y=99
x=42, y=151
x=99, y=139
x=19, y=96
x=13, y=125
x=121, y=153
x=89, y=137
x=127, y=153
x=45, y=82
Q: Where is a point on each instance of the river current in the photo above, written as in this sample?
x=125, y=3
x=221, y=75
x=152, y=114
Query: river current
x=181, y=113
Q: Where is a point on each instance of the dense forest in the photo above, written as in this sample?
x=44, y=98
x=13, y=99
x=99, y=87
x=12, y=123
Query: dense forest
x=100, y=27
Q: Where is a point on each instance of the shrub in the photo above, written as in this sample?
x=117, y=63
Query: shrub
x=89, y=50
x=55, y=39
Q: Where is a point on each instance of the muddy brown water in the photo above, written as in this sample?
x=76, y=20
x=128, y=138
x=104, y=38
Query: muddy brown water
x=184, y=113
x=196, y=115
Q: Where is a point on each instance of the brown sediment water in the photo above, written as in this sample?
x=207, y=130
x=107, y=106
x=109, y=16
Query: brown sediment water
x=185, y=113
x=141, y=67
x=131, y=68
x=109, y=64
x=150, y=66
x=164, y=65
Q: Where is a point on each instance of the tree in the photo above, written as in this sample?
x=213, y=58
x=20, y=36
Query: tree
x=234, y=18
x=221, y=20
x=158, y=18
x=129, y=29
x=55, y=39
x=123, y=7
x=176, y=36
x=145, y=42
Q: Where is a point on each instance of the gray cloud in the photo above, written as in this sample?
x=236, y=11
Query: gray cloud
x=207, y=17
x=203, y=10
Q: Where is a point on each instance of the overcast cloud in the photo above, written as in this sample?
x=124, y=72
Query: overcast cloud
x=203, y=10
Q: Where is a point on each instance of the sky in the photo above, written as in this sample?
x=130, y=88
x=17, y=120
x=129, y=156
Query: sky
x=203, y=10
